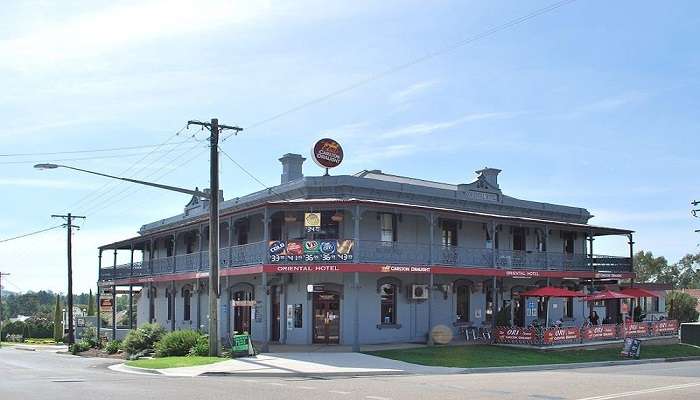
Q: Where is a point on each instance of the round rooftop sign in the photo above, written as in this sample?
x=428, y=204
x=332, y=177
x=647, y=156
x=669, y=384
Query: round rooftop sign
x=327, y=153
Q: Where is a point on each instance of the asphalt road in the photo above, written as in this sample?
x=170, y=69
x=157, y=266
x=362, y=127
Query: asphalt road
x=43, y=375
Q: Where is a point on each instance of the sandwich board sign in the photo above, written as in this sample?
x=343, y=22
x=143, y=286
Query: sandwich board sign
x=631, y=348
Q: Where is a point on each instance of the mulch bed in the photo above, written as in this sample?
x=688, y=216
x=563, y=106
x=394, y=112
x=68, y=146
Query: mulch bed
x=102, y=354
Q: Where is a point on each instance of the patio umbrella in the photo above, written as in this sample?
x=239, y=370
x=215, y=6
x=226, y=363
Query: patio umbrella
x=638, y=292
x=606, y=295
x=550, y=291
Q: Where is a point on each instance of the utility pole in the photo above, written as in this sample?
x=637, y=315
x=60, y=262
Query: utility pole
x=69, y=225
x=214, y=289
x=1, y=275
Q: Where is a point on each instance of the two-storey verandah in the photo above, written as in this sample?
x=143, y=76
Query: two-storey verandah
x=490, y=257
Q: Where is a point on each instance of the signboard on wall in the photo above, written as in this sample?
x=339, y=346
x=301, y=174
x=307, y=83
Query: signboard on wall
x=281, y=251
x=106, y=304
x=664, y=327
x=312, y=222
x=514, y=334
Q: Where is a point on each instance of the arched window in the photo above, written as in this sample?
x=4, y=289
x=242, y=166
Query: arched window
x=387, y=294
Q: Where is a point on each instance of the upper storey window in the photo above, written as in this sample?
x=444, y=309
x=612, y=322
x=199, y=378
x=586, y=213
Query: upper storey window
x=449, y=233
x=387, y=226
x=519, y=239
x=569, y=238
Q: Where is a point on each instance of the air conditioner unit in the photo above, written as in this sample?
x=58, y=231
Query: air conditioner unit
x=419, y=292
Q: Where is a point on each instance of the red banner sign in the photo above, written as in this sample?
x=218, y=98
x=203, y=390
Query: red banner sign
x=663, y=327
x=557, y=335
x=504, y=334
x=636, y=329
x=600, y=332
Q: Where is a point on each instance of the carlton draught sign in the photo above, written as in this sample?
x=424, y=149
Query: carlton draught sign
x=327, y=153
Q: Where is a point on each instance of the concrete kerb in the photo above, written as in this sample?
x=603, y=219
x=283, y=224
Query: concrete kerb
x=485, y=370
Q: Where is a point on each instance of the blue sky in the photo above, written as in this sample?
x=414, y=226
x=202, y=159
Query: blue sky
x=593, y=105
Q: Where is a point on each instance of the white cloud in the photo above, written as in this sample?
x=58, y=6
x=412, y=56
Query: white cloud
x=607, y=104
x=422, y=129
x=410, y=92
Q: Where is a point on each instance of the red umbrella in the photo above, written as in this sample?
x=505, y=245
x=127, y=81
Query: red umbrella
x=550, y=291
x=638, y=292
x=607, y=295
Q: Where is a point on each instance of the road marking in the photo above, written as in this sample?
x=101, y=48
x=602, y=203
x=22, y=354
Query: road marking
x=250, y=380
x=275, y=384
x=377, y=398
x=338, y=392
x=306, y=387
x=645, y=391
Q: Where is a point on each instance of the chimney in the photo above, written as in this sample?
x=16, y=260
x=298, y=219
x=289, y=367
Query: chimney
x=291, y=167
x=490, y=175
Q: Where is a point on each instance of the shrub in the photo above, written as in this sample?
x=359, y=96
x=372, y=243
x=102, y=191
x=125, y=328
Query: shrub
x=90, y=335
x=682, y=307
x=201, y=348
x=113, y=346
x=177, y=343
x=142, y=339
x=80, y=347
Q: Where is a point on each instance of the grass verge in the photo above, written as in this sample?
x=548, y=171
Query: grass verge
x=477, y=356
x=174, y=362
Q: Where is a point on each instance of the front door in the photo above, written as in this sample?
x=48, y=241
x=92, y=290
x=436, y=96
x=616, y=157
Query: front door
x=275, y=323
x=326, y=311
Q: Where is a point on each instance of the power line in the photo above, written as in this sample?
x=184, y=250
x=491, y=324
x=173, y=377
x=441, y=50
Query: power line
x=251, y=175
x=114, y=185
x=83, y=158
x=145, y=146
x=30, y=234
x=443, y=50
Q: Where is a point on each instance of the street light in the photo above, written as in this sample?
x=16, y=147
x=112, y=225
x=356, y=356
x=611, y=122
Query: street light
x=213, y=243
x=158, y=185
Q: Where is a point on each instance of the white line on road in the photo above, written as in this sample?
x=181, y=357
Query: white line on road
x=338, y=392
x=638, y=392
x=306, y=387
x=377, y=398
x=275, y=384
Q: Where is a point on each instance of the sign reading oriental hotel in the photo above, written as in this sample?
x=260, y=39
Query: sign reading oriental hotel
x=283, y=251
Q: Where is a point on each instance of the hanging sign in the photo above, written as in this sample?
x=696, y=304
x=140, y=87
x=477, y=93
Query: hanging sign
x=327, y=153
x=312, y=222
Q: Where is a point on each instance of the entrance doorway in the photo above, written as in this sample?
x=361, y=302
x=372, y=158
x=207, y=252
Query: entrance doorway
x=326, y=312
x=275, y=314
x=241, y=311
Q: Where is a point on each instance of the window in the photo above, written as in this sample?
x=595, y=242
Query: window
x=449, y=233
x=462, y=303
x=387, y=223
x=569, y=307
x=170, y=247
x=170, y=296
x=242, y=228
x=542, y=306
x=654, y=304
x=569, y=238
x=329, y=227
x=276, y=227
x=490, y=242
x=387, y=293
x=519, y=239
x=541, y=244
x=186, y=304
x=189, y=244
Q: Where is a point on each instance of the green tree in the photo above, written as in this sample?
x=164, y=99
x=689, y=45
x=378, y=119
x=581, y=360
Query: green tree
x=689, y=271
x=682, y=307
x=58, y=321
x=649, y=268
x=91, y=304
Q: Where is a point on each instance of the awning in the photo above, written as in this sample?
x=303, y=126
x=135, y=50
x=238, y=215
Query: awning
x=638, y=292
x=549, y=291
x=607, y=295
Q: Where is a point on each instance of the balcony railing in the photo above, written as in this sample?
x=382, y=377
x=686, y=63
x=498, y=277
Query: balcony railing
x=368, y=251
